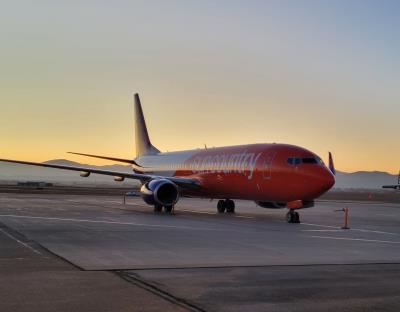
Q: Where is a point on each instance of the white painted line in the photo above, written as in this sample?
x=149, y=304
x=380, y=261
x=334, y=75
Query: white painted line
x=195, y=211
x=112, y=222
x=114, y=201
x=356, y=239
x=351, y=229
x=22, y=243
x=212, y=213
x=245, y=217
x=322, y=230
x=372, y=231
x=320, y=225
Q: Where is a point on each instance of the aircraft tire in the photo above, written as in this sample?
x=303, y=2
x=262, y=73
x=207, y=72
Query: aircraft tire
x=230, y=206
x=221, y=207
x=293, y=217
x=290, y=217
x=168, y=209
x=296, y=217
x=157, y=208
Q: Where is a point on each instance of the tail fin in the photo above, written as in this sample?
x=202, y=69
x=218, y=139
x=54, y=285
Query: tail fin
x=143, y=144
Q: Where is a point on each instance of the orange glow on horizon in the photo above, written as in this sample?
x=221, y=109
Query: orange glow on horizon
x=294, y=78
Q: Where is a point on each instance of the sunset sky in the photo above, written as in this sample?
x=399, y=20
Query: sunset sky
x=321, y=74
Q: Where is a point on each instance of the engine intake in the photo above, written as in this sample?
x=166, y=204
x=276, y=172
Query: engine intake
x=160, y=191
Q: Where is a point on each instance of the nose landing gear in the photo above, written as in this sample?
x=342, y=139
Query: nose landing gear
x=227, y=205
x=293, y=216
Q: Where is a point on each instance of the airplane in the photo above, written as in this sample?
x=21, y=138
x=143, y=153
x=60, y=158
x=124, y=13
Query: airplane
x=273, y=175
x=396, y=187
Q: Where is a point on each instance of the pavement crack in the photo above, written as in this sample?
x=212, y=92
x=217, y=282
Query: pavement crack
x=136, y=280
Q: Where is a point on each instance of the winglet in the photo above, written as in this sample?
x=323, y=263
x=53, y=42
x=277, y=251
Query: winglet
x=143, y=144
x=331, y=164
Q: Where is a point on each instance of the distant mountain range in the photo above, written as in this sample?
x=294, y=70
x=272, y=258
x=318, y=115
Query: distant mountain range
x=364, y=180
x=12, y=173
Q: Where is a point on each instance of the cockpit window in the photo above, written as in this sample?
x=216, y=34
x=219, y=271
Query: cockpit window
x=310, y=160
x=320, y=161
x=295, y=161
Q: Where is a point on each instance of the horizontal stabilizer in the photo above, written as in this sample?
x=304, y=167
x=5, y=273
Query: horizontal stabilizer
x=129, y=161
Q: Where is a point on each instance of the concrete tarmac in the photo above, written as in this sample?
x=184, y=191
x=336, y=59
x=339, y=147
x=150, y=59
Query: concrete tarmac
x=196, y=259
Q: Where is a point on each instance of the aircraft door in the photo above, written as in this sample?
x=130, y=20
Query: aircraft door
x=267, y=170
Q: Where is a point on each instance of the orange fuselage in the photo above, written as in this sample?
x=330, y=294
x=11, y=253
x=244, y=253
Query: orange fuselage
x=260, y=172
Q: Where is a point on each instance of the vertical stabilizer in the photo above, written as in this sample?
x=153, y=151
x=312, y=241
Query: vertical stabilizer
x=143, y=144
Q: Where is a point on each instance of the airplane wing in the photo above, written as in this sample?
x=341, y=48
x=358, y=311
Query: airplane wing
x=396, y=187
x=85, y=172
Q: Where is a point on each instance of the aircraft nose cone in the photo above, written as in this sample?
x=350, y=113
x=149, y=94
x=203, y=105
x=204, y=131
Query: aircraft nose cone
x=327, y=180
x=320, y=182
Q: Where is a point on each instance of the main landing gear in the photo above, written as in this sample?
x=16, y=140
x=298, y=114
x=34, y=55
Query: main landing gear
x=227, y=205
x=158, y=208
x=293, y=216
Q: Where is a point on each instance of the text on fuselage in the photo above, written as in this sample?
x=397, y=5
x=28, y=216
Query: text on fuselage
x=242, y=163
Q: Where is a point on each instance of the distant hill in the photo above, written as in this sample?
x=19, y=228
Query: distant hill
x=364, y=180
x=13, y=173
x=65, y=162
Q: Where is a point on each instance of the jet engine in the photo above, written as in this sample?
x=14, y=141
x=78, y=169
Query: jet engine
x=160, y=192
x=271, y=205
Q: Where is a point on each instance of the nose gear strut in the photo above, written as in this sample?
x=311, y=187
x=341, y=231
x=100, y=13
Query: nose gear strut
x=293, y=216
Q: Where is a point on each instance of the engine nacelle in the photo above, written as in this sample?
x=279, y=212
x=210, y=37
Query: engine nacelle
x=161, y=192
x=271, y=205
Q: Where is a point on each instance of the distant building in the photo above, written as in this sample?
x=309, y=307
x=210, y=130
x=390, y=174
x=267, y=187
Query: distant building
x=34, y=184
